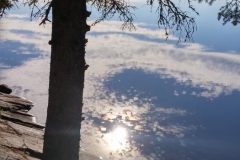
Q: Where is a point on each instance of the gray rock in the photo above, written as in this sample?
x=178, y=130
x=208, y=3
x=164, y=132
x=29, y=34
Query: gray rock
x=21, y=137
x=14, y=103
x=18, y=142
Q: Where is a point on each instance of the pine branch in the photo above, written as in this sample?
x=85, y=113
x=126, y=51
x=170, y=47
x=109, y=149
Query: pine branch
x=108, y=8
x=47, y=13
x=6, y=5
x=174, y=20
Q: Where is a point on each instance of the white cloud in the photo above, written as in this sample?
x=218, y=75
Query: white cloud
x=216, y=72
x=115, y=27
x=17, y=16
x=111, y=54
x=30, y=80
x=40, y=36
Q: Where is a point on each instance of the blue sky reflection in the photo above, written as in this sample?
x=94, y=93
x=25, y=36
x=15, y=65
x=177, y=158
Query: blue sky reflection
x=175, y=102
x=179, y=100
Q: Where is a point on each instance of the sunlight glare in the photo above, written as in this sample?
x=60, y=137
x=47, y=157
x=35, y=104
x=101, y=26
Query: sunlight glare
x=117, y=139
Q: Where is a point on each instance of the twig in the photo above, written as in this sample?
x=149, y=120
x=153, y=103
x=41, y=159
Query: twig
x=47, y=13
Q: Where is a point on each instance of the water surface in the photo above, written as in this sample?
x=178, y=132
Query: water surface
x=144, y=97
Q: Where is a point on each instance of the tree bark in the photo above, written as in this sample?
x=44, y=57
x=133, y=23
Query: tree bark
x=67, y=68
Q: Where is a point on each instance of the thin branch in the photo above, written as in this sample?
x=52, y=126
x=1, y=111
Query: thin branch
x=108, y=9
x=47, y=13
x=42, y=12
x=173, y=19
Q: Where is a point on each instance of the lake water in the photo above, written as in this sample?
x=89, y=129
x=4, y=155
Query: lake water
x=144, y=97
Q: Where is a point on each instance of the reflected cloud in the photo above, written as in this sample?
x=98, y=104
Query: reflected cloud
x=26, y=32
x=150, y=127
x=30, y=80
x=25, y=60
x=192, y=64
x=17, y=16
x=142, y=31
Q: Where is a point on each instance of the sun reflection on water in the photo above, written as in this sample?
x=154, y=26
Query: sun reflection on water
x=118, y=138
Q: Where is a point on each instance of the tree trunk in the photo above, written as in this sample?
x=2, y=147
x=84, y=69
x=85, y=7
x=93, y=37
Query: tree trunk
x=67, y=68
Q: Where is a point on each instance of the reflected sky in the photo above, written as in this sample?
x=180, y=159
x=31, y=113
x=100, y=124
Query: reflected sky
x=144, y=97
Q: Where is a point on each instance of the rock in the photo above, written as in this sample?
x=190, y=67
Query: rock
x=5, y=89
x=14, y=103
x=21, y=137
x=20, y=142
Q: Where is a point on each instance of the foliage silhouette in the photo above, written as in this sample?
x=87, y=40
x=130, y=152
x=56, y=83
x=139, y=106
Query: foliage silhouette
x=229, y=12
x=5, y=5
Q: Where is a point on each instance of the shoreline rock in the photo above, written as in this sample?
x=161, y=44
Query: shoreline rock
x=14, y=109
x=21, y=138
